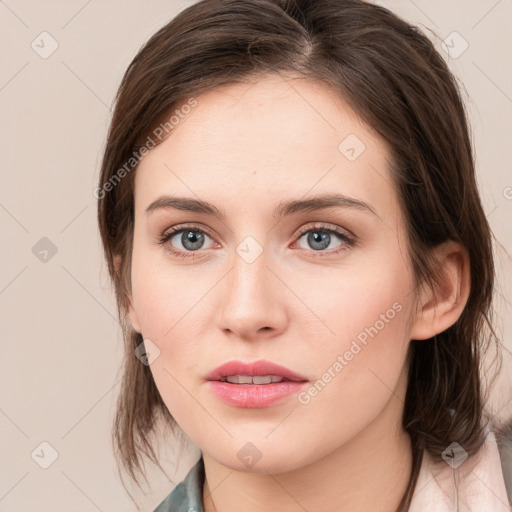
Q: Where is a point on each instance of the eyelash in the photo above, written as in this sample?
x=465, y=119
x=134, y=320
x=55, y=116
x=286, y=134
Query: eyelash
x=350, y=241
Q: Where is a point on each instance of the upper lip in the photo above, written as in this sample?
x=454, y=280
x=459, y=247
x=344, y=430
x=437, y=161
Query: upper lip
x=251, y=369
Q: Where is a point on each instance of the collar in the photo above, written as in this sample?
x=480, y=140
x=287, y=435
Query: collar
x=474, y=484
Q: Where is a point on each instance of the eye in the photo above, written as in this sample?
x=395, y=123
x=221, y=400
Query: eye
x=321, y=237
x=185, y=241
x=181, y=240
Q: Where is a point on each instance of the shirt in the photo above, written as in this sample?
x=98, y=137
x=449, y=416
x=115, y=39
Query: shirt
x=450, y=487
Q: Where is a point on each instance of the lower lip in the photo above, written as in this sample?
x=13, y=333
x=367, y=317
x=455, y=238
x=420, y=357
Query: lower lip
x=254, y=395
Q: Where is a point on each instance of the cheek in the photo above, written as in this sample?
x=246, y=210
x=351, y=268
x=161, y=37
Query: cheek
x=165, y=299
x=364, y=302
x=166, y=305
x=366, y=316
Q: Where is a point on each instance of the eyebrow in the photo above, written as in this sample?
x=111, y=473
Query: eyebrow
x=284, y=208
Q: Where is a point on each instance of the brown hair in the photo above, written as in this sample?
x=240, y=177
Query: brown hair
x=395, y=80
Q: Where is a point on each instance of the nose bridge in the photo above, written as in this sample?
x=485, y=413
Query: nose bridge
x=249, y=278
x=250, y=260
x=250, y=304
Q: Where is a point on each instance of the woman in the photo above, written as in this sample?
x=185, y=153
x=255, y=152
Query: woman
x=303, y=267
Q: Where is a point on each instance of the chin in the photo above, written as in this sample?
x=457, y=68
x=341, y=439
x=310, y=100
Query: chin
x=260, y=456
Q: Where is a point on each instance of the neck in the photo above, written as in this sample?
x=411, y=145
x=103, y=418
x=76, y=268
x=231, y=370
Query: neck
x=370, y=472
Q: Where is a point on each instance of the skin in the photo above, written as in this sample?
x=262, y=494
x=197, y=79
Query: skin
x=245, y=148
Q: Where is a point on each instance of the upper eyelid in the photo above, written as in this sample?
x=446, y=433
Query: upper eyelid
x=193, y=227
x=326, y=226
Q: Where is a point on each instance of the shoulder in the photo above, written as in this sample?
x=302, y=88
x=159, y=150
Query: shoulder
x=187, y=496
x=463, y=484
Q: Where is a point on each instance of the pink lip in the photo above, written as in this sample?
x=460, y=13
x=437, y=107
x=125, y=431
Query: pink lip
x=254, y=395
x=260, y=367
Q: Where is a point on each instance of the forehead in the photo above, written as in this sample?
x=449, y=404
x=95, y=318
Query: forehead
x=279, y=137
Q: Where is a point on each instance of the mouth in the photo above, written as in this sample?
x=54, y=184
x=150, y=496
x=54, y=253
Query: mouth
x=257, y=372
x=255, y=379
x=254, y=385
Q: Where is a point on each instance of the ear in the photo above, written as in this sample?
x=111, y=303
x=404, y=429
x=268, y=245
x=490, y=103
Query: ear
x=439, y=309
x=132, y=315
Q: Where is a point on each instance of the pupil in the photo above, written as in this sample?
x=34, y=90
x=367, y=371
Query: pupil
x=319, y=238
x=192, y=240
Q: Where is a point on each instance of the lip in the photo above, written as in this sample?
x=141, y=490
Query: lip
x=260, y=367
x=254, y=395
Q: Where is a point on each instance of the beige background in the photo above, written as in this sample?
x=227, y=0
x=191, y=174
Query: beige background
x=60, y=343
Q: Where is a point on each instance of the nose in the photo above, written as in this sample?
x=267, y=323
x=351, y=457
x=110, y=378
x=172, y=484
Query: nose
x=253, y=301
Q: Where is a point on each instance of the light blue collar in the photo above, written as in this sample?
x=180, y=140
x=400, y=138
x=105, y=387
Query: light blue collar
x=187, y=496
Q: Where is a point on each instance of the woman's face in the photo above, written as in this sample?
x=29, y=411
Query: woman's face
x=270, y=279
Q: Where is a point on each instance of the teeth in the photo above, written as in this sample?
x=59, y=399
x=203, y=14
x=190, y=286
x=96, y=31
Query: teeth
x=247, y=379
x=240, y=379
x=267, y=379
